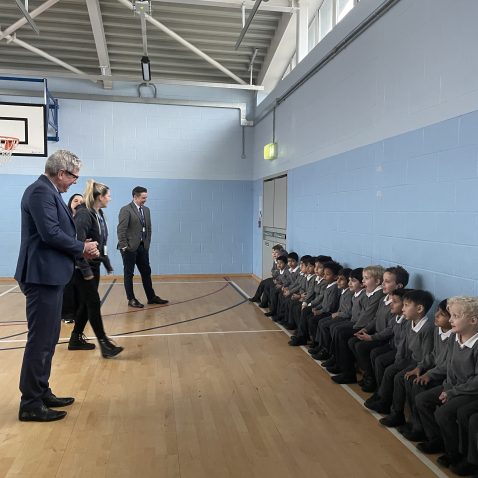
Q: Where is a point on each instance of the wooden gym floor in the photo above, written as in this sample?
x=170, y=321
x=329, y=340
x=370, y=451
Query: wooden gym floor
x=206, y=387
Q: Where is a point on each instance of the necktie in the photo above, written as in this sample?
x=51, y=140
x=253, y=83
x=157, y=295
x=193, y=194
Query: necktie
x=143, y=223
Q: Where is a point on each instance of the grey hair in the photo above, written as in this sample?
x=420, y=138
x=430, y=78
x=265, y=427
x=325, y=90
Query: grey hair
x=62, y=160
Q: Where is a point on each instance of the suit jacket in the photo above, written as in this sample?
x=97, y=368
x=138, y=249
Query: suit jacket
x=130, y=227
x=48, y=244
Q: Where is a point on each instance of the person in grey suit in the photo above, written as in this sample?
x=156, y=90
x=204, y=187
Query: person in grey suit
x=134, y=238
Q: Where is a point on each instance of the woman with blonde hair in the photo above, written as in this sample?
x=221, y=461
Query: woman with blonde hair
x=90, y=224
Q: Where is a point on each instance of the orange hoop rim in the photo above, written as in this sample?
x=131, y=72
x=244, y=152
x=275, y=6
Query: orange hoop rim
x=8, y=143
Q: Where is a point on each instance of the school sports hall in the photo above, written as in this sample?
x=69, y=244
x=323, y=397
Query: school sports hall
x=338, y=127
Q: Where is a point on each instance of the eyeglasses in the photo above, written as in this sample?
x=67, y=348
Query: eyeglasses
x=72, y=175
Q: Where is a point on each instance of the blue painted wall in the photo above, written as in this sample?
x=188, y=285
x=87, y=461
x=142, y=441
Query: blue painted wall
x=411, y=199
x=199, y=227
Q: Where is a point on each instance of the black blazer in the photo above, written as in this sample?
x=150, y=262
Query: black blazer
x=87, y=227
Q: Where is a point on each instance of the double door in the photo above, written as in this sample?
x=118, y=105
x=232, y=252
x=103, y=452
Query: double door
x=274, y=219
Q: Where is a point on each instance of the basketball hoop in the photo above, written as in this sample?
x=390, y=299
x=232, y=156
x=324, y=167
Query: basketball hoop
x=7, y=145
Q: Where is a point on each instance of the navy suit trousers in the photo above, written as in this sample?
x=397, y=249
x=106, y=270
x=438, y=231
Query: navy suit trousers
x=43, y=307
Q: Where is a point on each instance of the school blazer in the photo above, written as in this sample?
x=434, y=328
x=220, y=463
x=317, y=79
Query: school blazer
x=129, y=227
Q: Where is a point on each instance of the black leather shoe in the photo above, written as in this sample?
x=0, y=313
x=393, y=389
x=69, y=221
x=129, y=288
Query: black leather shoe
x=393, y=420
x=430, y=447
x=53, y=401
x=343, y=378
x=158, y=300
x=41, y=414
x=135, y=303
x=269, y=314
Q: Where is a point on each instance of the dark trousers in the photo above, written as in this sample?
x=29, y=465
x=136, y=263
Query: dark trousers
x=335, y=328
x=43, y=309
x=381, y=358
x=295, y=313
x=440, y=421
x=344, y=357
x=412, y=390
x=70, y=301
x=139, y=258
x=323, y=335
x=89, y=307
x=274, y=299
x=362, y=350
x=468, y=427
x=399, y=392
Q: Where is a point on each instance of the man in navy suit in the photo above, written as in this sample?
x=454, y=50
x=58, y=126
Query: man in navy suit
x=45, y=265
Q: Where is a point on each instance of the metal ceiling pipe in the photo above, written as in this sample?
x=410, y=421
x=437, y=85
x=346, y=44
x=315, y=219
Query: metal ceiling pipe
x=248, y=23
x=15, y=26
x=37, y=51
x=188, y=45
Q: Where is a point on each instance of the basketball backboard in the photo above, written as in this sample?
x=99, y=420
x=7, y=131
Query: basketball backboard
x=27, y=122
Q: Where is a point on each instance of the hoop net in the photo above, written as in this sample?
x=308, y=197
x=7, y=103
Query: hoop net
x=7, y=145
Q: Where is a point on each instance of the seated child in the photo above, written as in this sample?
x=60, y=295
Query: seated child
x=262, y=292
x=344, y=362
x=283, y=282
x=320, y=346
x=378, y=332
x=438, y=407
x=430, y=374
x=419, y=344
x=384, y=356
x=310, y=316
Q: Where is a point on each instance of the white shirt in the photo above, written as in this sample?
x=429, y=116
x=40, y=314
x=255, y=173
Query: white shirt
x=399, y=319
x=369, y=294
x=356, y=294
x=318, y=279
x=281, y=271
x=469, y=343
x=293, y=270
x=416, y=328
x=309, y=276
x=444, y=335
x=330, y=285
x=387, y=299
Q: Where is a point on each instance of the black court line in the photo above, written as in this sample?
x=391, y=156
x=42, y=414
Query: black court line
x=236, y=288
x=164, y=325
x=26, y=331
x=107, y=293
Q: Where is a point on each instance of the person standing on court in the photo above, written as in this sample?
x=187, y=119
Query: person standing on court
x=134, y=238
x=48, y=249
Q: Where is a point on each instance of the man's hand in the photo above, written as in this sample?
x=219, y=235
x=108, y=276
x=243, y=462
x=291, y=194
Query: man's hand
x=443, y=397
x=90, y=250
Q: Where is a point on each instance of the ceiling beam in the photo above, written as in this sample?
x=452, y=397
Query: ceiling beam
x=15, y=26
x=282, y=6
x=187, y=44
x=96, y=21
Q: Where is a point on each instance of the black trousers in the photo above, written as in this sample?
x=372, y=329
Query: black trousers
x=43, y=310
x=89, y=307
x=70, y=300
x=344, y=357
x=274, y=299
x=467, y=418
x=381, y=358
x=334, y=330
x=139, y=258
x=396, y=385
x=362, y=350
x=323, y=336
x=412, y=390
x=440, y=421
